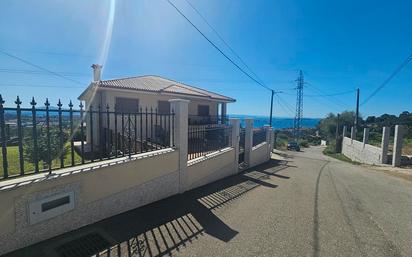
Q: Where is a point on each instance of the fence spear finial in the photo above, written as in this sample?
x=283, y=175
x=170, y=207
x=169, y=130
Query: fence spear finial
x=1, y=100
x=33, y=103
x=59, y=104
x=18, y=102
x=70, y=104
x=47, y=104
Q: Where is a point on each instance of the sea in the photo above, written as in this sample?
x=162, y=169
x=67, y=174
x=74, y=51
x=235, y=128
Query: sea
x=277, y=122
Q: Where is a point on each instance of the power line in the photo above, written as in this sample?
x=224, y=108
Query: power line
x=322, y=93
x=217, y=48
x=38, y=72
x=237, y=55
x=36, y=85
x=224, y=41
x=226, y=56
x=393, y=74
x=39, y=67
x=285, y=104
x=332, y=94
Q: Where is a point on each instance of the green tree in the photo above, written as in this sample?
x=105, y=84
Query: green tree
x=327, y=126
x=42, y=149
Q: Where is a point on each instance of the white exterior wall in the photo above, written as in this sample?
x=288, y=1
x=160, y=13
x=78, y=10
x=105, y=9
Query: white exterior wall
x=360, y=152
x=212, y=167
x=259, y=154
x=150, y=100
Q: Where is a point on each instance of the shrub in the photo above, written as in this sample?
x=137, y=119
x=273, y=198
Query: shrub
x=42, y=151
x=330, y=149
x=303, y=143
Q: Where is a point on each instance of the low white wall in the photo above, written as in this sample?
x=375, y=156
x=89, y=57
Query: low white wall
x=363, y=153
x=259, y=154
x=101, y=190
x=212, y=167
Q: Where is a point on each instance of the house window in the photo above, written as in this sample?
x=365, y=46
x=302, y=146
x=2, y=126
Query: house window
x=203, y=110
x=163, y=107
x=127, y=105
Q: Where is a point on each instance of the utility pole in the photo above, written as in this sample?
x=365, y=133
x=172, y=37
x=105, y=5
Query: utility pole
x=271, y=105
x=356, y=123
x=271, y=108
x=337, y=134
x=299, y=106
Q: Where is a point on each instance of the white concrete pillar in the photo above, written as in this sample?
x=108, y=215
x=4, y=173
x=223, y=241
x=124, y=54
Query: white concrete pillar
x=235, y=141
x=272, y=140
x=248, y=139
x=352, y=134
x=344, y=131
x=181, y=109
x=268, y=131
x=397, y=146
x=385, y=144
x=365, y=136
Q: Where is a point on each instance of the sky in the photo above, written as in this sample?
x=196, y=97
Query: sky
x=339, y=46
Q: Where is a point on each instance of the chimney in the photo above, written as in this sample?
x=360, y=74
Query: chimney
x=97, y=72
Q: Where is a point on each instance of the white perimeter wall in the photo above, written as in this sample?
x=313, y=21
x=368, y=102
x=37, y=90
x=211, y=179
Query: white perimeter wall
x=363, y=153
x=259, y=154
x=212, y=167
x=105, y=190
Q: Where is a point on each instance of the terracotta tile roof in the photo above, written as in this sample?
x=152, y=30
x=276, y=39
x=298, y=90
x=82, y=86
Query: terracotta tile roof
x=161, y=85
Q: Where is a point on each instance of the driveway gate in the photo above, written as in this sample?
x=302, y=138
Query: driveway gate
x=242, y=134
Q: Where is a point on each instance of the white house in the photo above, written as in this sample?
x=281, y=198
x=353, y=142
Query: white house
x=152, y=92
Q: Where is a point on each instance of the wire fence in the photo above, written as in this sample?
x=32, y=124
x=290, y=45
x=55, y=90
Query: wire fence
x=259, y=136
x=48, y=138
x=206, y=139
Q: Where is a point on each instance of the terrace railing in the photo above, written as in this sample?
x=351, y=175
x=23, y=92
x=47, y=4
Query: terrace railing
x=207, y=119
x=206, y=139
x=48, y=138
x=259, y=136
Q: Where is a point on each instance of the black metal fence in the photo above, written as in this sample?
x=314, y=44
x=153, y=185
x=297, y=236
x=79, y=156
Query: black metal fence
x=206, y=139
x=259, y=136
x=242, y=137
x=43, y=139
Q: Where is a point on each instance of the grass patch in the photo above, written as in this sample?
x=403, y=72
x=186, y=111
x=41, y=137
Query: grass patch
x=339, y=156
x=14, y=164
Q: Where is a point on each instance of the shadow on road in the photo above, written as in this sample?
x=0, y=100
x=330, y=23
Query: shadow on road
x=166, y=226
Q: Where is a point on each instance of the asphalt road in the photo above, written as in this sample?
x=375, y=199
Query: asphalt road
x=308, y=205
x=319, y=207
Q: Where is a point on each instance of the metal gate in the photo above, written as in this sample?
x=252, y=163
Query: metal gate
x=242, y=134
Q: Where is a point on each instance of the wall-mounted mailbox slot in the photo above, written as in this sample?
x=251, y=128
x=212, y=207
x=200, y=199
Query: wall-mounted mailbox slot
x=50, y=206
